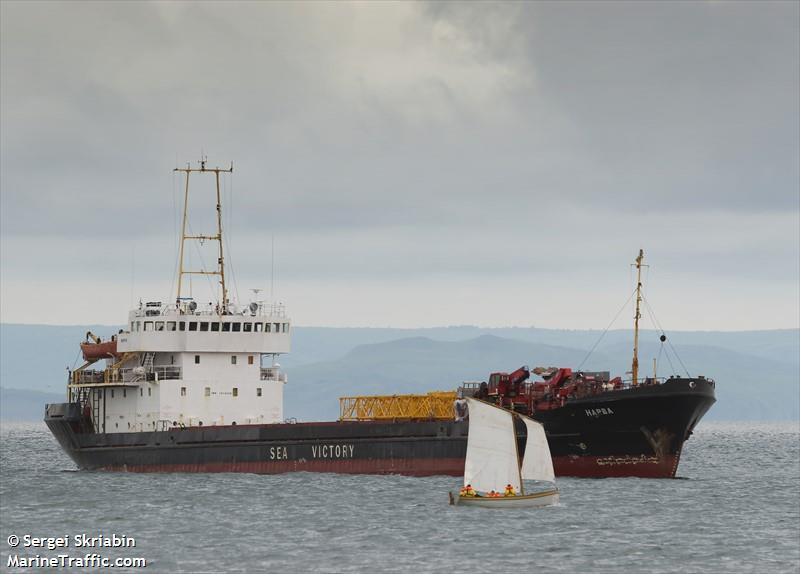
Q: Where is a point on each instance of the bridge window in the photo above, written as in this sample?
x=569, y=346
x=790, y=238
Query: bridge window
x=247, y=327
x=149, y=392
x=124, y=393
x=250, y=359
x=235, y=391
x=197, y=359
x=204, y=326
x=258, y=391
x=226, y=327
x=170, y=325
x=159, y=325
x=277, y=327
x=215, y=326
x=233, y=359
x=141, y=392
x=112, y=393
x=183, y=391
x=182, y=326
x=236, y=327
x=208, y=391
x=259, y=327
x=286, y=327
x=148, y=325
x=138, y=325
x=268, y=327
x=193, y=326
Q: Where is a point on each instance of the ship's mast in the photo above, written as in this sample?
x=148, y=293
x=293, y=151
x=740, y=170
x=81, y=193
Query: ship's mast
x=636, y=317
x=218, y=237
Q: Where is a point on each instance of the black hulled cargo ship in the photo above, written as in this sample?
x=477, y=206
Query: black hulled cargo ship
x=185, y=388
x=632, y=432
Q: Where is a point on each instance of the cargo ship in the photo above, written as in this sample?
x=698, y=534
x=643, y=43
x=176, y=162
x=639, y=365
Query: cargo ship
x=192, y=387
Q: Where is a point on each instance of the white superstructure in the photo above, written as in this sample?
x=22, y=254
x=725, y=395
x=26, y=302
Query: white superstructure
x=188, y=364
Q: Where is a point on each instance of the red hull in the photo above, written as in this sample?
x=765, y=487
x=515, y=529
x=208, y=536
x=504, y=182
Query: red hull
x=583, y=467
x=407, y=467
x=617, y=466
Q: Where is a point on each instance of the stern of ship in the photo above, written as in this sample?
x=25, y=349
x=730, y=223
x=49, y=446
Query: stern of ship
x=67, y=421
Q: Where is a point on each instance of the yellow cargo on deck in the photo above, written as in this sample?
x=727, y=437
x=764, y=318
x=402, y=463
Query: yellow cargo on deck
x=434, y=405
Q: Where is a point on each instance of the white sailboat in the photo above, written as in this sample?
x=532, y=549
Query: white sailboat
x=493, y=460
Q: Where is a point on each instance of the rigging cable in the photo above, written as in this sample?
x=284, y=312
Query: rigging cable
x=75, y=362
x=655, y=322
x=666, y=354
x=606, y=330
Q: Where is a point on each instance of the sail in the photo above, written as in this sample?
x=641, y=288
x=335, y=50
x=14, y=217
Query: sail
x=537, y=463
x=492, y=460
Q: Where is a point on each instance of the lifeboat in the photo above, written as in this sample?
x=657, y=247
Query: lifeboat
x=100, y=350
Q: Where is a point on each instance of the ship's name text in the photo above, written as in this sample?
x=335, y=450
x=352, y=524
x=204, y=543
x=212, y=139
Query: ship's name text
x=598, y=412
x=332, y=451
x=278, y=453
x=317, y=451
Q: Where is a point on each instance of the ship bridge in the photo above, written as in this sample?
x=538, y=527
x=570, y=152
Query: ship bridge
x=186, y=363
x=259, y=328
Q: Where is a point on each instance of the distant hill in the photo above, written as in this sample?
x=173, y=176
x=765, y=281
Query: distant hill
x=316, y=344
x=749, y=388
x=413, y=365
x=19, y=405
x=758, y=372
x=36, y=357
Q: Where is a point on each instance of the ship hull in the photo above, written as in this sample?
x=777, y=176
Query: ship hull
x=636, y=432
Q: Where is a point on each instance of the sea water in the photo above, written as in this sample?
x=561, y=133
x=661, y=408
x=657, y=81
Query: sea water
x=735, y=508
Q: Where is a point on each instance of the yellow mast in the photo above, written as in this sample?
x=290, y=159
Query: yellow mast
x=218, y=237
x=636, y=317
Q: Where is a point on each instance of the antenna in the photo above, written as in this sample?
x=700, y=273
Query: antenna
x=636, y=317
x=133, y=271
x=188, y=170
x=272, y=273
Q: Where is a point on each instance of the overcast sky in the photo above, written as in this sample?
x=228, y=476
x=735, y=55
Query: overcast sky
x=417, y=164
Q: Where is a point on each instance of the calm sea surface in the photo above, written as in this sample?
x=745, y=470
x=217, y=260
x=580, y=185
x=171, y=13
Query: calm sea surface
x=737, y=509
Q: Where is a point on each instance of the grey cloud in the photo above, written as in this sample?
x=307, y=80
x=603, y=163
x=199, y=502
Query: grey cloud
x=412, y=138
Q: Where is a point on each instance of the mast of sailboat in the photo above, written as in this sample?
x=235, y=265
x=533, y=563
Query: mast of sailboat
x=636, y=317
x=514, y=417
x=218, y=237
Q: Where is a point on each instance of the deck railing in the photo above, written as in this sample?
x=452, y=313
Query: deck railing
x=128, y=375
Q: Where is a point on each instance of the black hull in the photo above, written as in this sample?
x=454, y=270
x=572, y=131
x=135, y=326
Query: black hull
x=633, y=432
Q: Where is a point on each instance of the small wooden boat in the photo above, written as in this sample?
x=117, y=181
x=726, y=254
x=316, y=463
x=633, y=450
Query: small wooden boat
x=493, y=464
x=544, y=498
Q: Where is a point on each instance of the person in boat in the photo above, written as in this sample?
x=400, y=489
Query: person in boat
x=468, y=491
x=494, y=494
x=510, y=491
